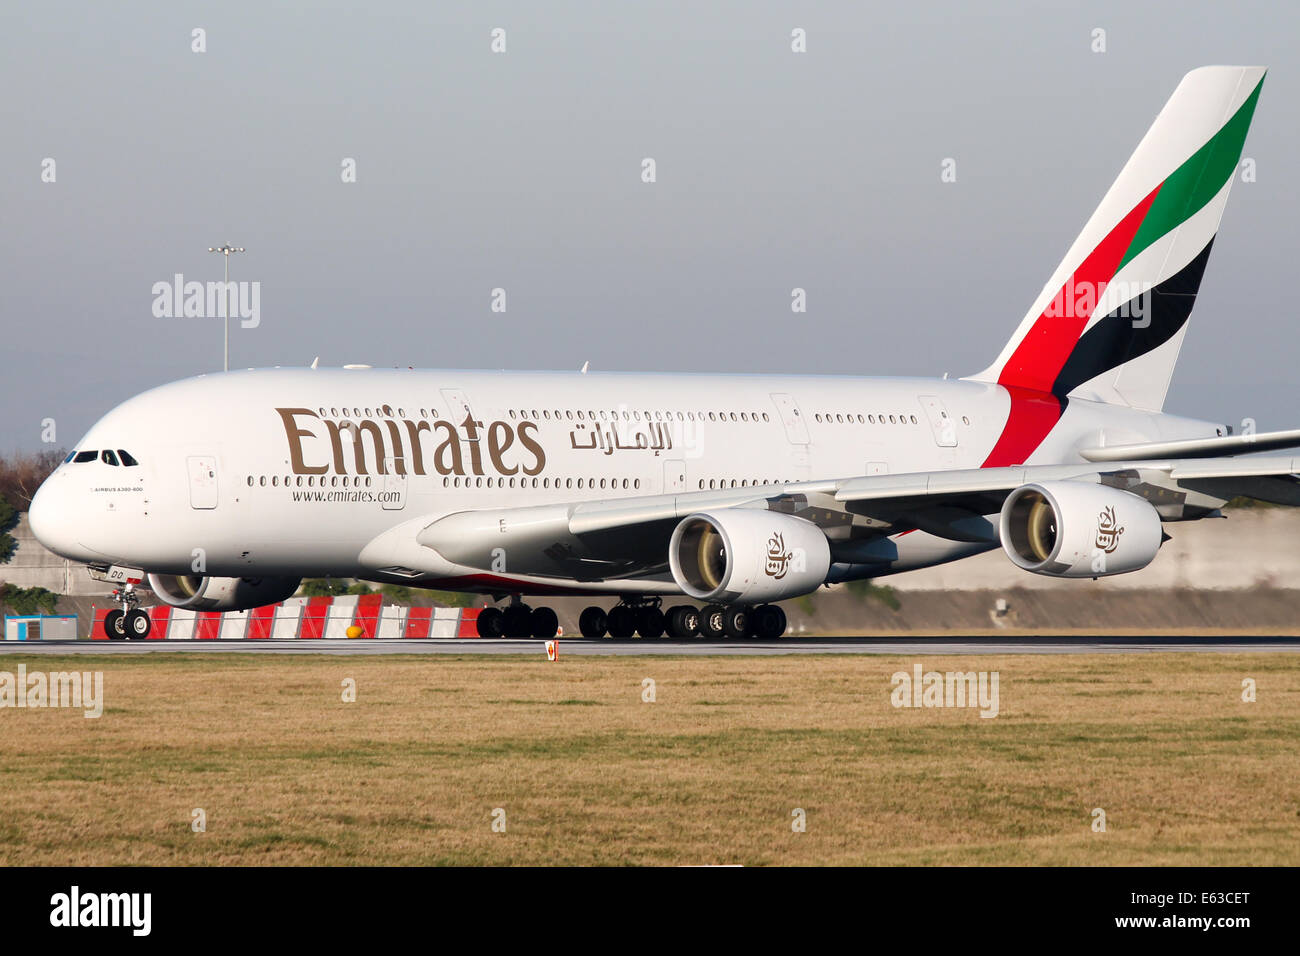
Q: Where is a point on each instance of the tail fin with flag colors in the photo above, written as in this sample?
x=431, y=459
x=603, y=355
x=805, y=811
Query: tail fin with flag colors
x=1110, y=322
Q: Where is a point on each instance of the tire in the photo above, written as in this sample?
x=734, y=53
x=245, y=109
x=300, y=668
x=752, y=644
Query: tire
x=622, y=622
x=650, y=622
x=593, y=622
x=115, y=626
x=518, y=621
x=768, y=622
x=684, y=622
x=137, y=624
x=691, y=621
x=735, y=622
x=491, y=622
x=544, y=623
x=711, y=622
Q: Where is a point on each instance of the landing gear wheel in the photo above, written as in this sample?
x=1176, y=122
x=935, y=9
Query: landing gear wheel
x=544, y=623
x=711, y=622
x=684, y=622
x=518, y=620
x=768, y=622
x=735, y=622
x=137, y=624
x=622, y=622
x=593, y=622
x=115, y=626
x=491, y=622
x=650, y=622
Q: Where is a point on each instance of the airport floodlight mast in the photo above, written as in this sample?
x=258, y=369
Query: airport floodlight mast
x=226, y=250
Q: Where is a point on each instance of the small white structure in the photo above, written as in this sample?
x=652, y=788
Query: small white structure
x=41, y=627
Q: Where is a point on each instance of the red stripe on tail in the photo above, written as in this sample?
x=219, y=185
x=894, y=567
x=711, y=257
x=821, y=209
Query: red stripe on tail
x=1041, y=354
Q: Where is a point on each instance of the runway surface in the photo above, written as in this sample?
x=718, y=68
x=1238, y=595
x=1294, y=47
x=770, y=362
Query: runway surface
x=1138, y=644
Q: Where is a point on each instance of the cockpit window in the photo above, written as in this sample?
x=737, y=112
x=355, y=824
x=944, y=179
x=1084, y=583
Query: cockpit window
x=83, y=456
x=126, y=458
x=108, y=457
x=69, y=458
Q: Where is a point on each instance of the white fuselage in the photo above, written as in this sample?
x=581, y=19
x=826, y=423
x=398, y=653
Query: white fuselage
x=297, y=472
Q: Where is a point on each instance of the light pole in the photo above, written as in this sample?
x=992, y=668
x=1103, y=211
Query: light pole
x=226, y=250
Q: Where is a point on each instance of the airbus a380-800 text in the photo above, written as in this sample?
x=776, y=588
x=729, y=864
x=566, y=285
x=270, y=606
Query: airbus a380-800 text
x=713, y=496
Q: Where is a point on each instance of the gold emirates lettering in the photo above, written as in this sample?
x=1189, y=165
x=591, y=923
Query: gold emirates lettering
x=404, y=442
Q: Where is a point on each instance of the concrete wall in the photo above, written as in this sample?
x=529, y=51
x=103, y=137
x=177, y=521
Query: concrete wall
x=33, y=566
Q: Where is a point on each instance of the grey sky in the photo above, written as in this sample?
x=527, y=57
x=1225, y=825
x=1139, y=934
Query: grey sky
x=522, y=171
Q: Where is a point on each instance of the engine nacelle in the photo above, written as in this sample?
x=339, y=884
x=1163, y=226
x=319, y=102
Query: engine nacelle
x=1072, y=529
x=220, y=594
x=747, y=556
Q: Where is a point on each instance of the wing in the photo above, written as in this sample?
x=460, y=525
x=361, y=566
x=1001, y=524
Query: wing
x=626, y=539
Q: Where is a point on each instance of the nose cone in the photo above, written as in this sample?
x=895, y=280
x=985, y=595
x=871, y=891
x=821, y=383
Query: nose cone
x=40, y=515
x=50, y=519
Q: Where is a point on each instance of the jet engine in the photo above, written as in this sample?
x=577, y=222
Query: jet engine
x=746, y=556
x=1072, y=529
x=220, y=594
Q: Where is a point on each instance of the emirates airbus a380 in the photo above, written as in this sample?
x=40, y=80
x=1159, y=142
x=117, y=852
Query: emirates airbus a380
x=737, y=491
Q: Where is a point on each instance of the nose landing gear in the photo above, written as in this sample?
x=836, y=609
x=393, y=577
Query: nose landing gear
x=130, y=621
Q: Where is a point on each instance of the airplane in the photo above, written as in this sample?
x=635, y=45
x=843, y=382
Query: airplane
x=720, y=494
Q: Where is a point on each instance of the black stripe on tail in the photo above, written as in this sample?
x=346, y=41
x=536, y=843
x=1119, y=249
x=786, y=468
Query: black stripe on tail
x=1117, y=338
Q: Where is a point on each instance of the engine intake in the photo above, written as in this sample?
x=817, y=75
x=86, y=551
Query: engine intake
x=220, y=594
x=747, y=556
x=1069, y=529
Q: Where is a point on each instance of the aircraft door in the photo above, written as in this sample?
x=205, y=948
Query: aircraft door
x=457, y=406
x=203, y=481
x=394, y=487
x=674, y=477
x=941, y=423
x=796, y=432
x=796, y=429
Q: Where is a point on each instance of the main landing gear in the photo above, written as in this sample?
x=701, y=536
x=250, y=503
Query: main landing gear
x=518, y=620
x=643, y=617
x=130, y=620
x=684, y=621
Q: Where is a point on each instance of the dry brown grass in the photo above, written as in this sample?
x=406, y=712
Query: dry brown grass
x=587, y=773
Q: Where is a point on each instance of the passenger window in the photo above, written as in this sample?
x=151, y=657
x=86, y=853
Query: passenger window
x=126, y=458
x=84, y=456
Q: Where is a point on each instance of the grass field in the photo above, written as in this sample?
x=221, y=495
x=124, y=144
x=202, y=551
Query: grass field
x=588, y=773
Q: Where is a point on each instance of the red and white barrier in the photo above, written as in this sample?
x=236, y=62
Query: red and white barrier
x=307, y=618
